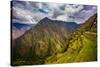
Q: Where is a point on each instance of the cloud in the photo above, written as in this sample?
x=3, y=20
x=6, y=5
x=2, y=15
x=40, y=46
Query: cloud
x=33, y=12
x=83, y=15
x=24, y=15
x=73, y=8
x=69, y=12
x=62, y=17
x=23, y=22
x=27, y=16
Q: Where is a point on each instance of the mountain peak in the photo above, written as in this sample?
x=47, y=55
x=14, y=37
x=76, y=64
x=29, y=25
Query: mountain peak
x=45, y=20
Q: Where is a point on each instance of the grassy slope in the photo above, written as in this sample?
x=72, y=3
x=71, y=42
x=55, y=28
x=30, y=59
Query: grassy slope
x=81, y=50
x=47, y=49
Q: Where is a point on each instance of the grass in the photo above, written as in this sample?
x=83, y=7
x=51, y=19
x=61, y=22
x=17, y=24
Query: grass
x=88, y=51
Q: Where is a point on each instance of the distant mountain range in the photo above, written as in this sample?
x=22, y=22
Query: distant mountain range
x=19, y=29
x=22, y=26
x=54, y=41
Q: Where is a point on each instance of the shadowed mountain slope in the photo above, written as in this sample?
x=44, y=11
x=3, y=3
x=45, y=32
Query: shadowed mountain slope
x=53, y=41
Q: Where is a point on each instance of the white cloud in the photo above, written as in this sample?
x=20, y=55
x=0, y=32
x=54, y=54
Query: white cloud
x=24, y=22
x=27, y=16
x=73, y=8
x=62, y=17
x=70, y=10
x=85, y=14
x=24, y=15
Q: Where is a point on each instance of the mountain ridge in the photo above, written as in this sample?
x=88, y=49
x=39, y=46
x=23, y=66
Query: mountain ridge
x=54, y=42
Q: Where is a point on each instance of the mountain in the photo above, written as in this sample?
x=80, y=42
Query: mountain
x=48, y=36
x=19, y=29
x=82, y=45
x=68, y=25
x=21, y=25
x=54, y=41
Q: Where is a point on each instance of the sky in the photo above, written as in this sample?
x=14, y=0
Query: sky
x=30, y=12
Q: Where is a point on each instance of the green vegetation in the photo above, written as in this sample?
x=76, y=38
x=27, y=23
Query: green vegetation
x=79, y=51
x=55, y=44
